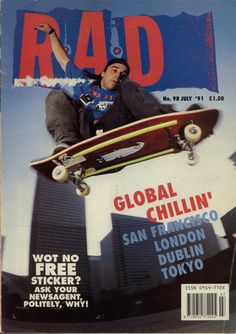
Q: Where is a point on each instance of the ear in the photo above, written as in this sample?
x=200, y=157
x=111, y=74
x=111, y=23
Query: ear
x=102, y=74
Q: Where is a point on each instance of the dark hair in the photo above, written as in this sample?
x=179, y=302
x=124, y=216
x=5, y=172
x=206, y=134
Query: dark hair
x=98, y=77
x=119, y=61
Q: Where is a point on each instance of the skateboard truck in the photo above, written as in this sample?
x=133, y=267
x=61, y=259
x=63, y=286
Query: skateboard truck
x=192, y=134
x=61, y=174
x=82, y=188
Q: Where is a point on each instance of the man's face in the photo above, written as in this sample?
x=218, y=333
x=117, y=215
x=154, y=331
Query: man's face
x=111, y=77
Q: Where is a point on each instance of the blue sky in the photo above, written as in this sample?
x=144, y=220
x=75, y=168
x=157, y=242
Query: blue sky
x=25, y=137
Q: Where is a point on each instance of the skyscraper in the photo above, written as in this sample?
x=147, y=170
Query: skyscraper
x=58, y=226
x=132, y=252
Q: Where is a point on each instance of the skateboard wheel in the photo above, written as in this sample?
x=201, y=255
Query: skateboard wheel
x=192, y=133
x=60, y=174
x=192, y=159
x=82, y=189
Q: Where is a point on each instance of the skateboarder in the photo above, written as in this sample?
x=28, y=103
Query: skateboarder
x=100, y=102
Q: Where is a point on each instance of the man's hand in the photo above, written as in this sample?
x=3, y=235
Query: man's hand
x=57, y=47
x=44, y=27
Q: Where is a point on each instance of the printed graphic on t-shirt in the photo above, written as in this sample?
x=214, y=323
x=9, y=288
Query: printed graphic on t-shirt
x=94, y=98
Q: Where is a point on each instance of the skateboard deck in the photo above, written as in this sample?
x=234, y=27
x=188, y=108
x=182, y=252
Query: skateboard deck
x=129, y=144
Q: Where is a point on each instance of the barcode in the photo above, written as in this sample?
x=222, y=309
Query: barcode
x=204, y=302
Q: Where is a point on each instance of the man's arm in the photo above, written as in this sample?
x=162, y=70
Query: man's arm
x=57, y=47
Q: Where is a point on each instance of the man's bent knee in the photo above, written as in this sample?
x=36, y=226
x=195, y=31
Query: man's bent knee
x=128, y=85
x=54, y=96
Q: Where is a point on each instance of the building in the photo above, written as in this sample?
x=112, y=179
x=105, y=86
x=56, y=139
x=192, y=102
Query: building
x=58, y=226
x=130, y=254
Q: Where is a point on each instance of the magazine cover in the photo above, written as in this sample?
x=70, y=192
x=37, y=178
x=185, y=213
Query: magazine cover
x=118, y=166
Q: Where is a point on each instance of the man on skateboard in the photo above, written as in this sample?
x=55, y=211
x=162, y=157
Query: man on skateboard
x=100, y=102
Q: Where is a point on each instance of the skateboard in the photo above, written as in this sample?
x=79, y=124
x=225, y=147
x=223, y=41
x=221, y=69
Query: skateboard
x=133, y=143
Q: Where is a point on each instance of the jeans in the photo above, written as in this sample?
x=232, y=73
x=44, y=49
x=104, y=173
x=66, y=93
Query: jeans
x=69, y=122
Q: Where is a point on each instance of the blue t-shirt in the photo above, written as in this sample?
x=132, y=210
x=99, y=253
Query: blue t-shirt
x=94, y=98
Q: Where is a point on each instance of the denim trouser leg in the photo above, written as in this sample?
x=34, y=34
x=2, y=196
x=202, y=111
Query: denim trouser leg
x=140, y=102
x=69, y=122
x=133, y=103
x=62, y=117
